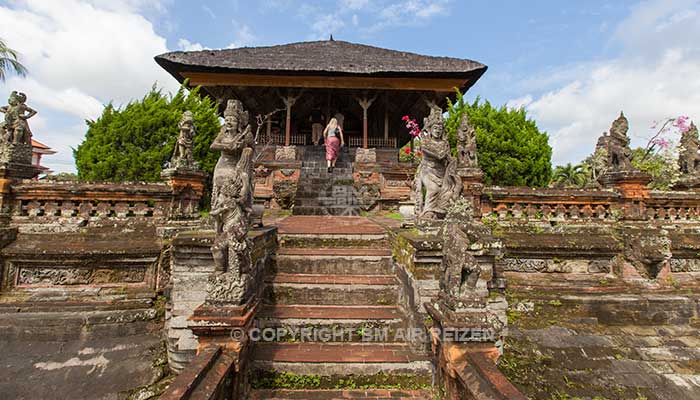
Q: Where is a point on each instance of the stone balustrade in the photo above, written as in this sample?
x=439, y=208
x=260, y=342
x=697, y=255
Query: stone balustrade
x=527, y=204
x=47, y=201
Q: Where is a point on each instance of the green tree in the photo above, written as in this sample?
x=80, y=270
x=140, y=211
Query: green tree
x=134, y=143
x=511, y=149
x=9, y=62
x=570, y=176
x=662, y=166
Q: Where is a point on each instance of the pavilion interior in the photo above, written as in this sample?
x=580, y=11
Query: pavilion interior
x=385, y=127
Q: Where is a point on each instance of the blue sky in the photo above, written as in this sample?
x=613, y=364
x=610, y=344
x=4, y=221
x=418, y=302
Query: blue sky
x=572, y=64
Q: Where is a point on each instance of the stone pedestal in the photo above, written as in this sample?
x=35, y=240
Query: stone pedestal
x=188, y=188
x=286, y=153
x=632, y=186
x=366, y=156
x=472, y=186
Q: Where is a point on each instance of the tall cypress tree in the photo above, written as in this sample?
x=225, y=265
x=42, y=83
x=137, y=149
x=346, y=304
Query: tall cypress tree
x=511, y=149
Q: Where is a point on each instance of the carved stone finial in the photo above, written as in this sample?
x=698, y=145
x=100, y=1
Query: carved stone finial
x=689, y=155
x=618, y=155
x=620, y=126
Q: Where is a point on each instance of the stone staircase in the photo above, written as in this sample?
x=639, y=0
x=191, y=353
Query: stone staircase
x=322, y=193
x=332, y=302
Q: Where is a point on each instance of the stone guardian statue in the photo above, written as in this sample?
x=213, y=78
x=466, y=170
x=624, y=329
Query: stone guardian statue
x=231, y=207
x=436, y=183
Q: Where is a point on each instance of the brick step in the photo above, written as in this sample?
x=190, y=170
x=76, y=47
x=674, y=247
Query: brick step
x=300, y=225
x=334, y=323
x=360, y=241
x=357, y=291
x=338, y=353
x=334, y=365
x=309, y=263
x=324, y=202
x=335, y=252
x=328, y=279
x=375, y=394
x=338, y=211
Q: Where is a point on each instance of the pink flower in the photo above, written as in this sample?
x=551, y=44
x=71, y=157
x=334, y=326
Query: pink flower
x=661, y=142
x=405, y=118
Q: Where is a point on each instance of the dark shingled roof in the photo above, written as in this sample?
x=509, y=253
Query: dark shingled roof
x=328, y=57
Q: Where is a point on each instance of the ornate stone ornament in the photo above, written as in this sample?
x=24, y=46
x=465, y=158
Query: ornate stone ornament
x=436, y=184
x=689, y=159
x=617, y=146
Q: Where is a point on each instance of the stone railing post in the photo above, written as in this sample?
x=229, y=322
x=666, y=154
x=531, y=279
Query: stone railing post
x=187, y=191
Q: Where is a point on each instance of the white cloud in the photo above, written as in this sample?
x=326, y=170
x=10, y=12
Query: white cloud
x=186, y=45
x=354, y=4
x=654, y=77
x=243, y=37
x=81, y=55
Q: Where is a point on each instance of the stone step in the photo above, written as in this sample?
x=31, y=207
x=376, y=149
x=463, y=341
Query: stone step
x=320, y=394
x=67, y=326
x=333, y=323
x=293, y=289
x=330, y=261
x=338, y=364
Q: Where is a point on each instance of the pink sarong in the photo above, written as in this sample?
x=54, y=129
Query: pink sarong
x=332, y=148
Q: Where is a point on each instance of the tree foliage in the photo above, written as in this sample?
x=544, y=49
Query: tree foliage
x=570, y=176
x=133, y=143
x=9, y=62
x=511, y=149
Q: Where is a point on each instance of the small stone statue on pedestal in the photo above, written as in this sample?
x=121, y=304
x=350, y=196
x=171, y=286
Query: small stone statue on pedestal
x=15, y=135
x=466, y=144
x=436, y=184
x=182, y=154
x=231, y=206
x=183, y=173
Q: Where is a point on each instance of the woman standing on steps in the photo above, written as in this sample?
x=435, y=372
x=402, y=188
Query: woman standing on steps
x=333, y=138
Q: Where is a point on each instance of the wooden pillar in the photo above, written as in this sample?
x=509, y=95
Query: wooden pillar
x=288, y=126
x=365, y=103
x=269, y=127
x=386, y=125
x=289, y=102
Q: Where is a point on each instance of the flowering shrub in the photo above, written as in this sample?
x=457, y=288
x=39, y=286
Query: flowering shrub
x=405, y=154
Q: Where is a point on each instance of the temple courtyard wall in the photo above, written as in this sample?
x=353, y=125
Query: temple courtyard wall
x=99, y=281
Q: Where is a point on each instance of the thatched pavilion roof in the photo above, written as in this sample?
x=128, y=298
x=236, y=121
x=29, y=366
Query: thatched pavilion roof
x=321, y=58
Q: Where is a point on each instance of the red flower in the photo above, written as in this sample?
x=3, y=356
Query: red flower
x=407, y=151
x=420, y=153
x=405, y=118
